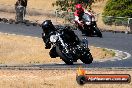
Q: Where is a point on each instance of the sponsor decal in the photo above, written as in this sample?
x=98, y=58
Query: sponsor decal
x=83, y=78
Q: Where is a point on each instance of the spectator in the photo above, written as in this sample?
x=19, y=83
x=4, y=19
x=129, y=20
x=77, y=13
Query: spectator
x=24, y=3
x=20, y=10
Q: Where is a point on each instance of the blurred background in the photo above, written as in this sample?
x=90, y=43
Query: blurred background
x=40, y=10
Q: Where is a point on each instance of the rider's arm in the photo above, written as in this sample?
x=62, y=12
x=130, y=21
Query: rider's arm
x=89, y=13
x=77, y=19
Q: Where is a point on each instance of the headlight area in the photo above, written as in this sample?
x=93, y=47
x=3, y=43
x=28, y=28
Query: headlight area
x=53, y=38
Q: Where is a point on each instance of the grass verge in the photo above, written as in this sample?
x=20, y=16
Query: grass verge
x=29, y=50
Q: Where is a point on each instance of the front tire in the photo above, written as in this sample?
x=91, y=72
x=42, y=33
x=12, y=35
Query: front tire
x=68, y=62
x=53, y=53
x=98, y=32
x=64, y=57
x=87, y=58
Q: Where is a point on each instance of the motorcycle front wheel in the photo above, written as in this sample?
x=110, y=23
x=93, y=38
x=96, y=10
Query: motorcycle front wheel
x=67, y=58
x=87, y=58
x=98, y=32
x=53, y=53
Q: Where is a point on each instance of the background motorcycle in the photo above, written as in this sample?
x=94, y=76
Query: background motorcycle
x=67, y=46
x=89, y=26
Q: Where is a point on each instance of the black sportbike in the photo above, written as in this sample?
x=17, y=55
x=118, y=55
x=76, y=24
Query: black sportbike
x=65, y=44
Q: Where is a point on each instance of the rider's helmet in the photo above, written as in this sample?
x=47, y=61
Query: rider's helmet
x=47, y=26
x=78, y=7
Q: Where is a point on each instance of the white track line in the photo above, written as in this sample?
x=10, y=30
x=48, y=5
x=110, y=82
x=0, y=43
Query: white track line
x=19, y=35
x=128, y=55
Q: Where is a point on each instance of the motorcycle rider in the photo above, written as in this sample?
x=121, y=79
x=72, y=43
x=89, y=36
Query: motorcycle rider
x=24, y=3
x=79, y=14
x=48, y=28
x=19, y=11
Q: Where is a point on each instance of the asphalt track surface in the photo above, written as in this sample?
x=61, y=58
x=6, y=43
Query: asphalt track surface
x=117, y=41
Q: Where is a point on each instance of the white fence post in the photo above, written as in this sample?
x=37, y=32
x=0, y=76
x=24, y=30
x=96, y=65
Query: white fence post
x=130, y=24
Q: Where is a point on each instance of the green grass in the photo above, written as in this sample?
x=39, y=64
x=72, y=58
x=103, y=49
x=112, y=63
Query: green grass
x=109, y=51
